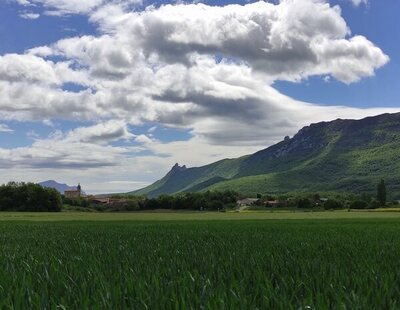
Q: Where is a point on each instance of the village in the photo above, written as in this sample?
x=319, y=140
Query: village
x=78, y=193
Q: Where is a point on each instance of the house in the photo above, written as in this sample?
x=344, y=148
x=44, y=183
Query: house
x=100, y=200
x=246, y=202
x=74, y=193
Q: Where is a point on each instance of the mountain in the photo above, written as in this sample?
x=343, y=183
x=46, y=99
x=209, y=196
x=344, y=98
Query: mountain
x=341, y=155
x=58, y=186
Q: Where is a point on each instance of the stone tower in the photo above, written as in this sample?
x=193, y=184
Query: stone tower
x=79, y=189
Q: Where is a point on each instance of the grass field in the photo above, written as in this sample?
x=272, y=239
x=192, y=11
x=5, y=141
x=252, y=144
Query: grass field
x=120, y=261
x=198, y=216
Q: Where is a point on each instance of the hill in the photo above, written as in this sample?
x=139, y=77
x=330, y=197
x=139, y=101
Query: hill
x=341, y=155
x=58, y=186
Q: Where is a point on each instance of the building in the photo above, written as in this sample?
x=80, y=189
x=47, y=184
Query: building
x=99, y=200
x=246, y=202
x=74, y=193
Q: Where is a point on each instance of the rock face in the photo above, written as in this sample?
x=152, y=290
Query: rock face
x=342, y=155
x=177, y=168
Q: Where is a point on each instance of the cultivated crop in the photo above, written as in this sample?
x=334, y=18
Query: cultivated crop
x=321, y=264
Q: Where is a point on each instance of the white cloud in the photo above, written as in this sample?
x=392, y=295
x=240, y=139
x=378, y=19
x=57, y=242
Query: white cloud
x=26, y=68
x=102, y=133
x=359, y=2
x=63, y=7
x=159, y=66
x=143, y=139
x=80, y=148
x=5, y=128
x=152, y=129
x=36, y=70
x=28, y=15
x=290, y=41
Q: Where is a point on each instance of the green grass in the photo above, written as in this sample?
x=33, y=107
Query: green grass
x=165, y=215
x=141, y=262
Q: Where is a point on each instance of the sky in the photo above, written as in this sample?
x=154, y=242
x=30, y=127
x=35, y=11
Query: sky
x=113, y=93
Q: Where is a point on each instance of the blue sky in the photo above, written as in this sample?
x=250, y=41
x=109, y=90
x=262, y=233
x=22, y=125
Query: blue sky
x=80, y=95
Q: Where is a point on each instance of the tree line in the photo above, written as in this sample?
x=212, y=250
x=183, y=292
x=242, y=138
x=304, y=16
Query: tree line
x=33, y=197
x=210, y=200
x=29, y=197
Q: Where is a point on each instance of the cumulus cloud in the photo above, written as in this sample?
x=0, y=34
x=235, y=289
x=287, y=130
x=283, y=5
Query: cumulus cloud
x=159, y=65
x=208, y=70
x=289, y=41
x=36, y=70
x=113, y=130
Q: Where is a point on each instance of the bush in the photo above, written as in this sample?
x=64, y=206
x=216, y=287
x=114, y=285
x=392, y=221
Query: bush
x=359, y=204
x=76, y=202
x=304, y=203
x=332, y=204
x=374, y=204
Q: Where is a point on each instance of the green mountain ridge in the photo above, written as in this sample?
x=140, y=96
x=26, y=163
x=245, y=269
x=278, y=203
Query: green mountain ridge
x=341, y=155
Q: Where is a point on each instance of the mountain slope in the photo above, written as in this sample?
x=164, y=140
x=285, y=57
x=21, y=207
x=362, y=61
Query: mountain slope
x=180, y=179
x=342, y=155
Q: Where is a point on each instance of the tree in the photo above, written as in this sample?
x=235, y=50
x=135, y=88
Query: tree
x=381, y=193
x=359, y=204
x=304, y=203
x=332, y=204
x=28, y=197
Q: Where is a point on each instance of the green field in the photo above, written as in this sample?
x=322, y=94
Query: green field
x=172, y=261
x=165, y=215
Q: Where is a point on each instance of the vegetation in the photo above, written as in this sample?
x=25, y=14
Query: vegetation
x=29, y=197
x=212, y=201
x=33, y=197
x=381, y=193
x=340, y=156
x=359, y=204
x=333, y=204
x=206, y=264
x=226, y=200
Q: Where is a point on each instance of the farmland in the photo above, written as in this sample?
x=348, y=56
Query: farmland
x=140, y=261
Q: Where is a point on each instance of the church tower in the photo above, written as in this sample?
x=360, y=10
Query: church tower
x=79, y=189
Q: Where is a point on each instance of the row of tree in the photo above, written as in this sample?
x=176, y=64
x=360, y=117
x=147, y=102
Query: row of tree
x=210, y=200
x=33, y=197
x=29, y=197
x=363, y=201
x=215, y=200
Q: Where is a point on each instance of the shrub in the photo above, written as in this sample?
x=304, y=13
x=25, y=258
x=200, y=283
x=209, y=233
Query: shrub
x=332, y=204
x=358, y=204
x=304, y=203
x=374, y=204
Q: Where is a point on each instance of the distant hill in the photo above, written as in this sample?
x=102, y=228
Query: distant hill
x=341, y=155
x=58, y=186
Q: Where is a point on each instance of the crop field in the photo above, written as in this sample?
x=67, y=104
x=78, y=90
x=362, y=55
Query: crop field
x=246, y=264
